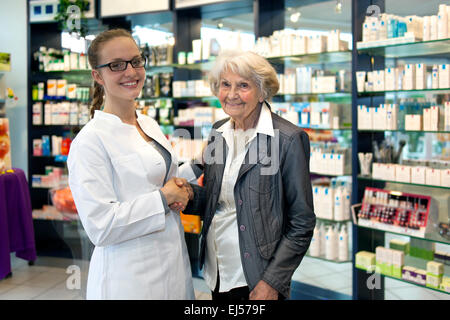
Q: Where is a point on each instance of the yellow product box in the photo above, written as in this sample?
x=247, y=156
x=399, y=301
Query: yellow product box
x=365, y=260
x=191, y=223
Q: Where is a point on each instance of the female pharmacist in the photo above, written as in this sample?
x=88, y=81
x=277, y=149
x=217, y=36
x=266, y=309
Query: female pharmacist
x=256, y=203
x=121, y=174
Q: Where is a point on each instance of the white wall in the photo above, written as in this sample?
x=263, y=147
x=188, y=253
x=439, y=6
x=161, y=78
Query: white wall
x=13, y=39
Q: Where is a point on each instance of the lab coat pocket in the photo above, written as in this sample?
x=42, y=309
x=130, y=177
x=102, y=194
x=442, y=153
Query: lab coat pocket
x=130, y=178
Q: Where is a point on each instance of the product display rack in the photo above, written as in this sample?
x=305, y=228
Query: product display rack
x=366, y=238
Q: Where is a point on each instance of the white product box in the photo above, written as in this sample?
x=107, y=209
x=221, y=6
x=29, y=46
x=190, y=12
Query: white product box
x=197, y=49
x=317, y=44
x=409, y=77
x=403, y=173
x=339, y=164
x=398, y=257
x=377, y=170
x=389, y=171
x=442, y=22
x=418, y=175
x=368, y=118
x=444, y=76
x=447, y=115
x=379, y=117
x=361, y=117
x=413, y=122
x=433, y=177
x=436, y=268
x=360, y=80
x=391, y=117
x=435, y=77
x=426, y=119
x=390, y=79
x=421, y=76
x=300, y=45
x=379, y=80
x=445, y=178
x=47, y=114
x=426, y=28
x=51, y=87
x=61, y=87
x=433, y=27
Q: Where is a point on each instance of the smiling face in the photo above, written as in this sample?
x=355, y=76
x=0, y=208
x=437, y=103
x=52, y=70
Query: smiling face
x=126, y=84
x=238, y=96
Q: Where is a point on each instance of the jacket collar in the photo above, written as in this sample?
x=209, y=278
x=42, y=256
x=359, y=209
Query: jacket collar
x=264, y=125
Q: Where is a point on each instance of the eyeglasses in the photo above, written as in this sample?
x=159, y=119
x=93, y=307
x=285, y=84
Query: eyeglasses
x=138, y=62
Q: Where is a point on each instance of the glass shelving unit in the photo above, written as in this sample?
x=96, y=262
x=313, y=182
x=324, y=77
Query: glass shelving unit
x=435, y=50
x=411, y=49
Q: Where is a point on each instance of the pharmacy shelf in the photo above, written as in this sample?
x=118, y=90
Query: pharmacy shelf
x=410, y=282
x=433, y=237
x=326, y=129
x=330, y=175
x=58, y=158
x=314, y=58
x=417, y=263
x=403, y=92
x=332, y=221
x=403, y=131
x=405, y=183
x=413, y=49
x=325, y=94
x=56, y=126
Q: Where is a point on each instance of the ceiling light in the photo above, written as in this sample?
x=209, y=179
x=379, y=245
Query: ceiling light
x=338, y=8
x=295, y=16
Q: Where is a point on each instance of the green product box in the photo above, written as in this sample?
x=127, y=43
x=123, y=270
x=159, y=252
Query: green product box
x=433, y=281
x=400, y=245
x=397, y=271
x=384, y=268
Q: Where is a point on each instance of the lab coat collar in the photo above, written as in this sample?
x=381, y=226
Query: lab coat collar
x=148, y=125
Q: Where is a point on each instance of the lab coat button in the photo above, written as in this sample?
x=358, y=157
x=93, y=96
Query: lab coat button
x=242, y=227
x=240, y=202
x=246, y=255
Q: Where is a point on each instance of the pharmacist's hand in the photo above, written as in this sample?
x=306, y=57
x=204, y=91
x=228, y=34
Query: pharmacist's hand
x=175, y=194
x=182, y=183
x=263, y=291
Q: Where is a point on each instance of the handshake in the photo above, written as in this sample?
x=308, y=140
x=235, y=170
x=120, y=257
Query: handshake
x=178, y=192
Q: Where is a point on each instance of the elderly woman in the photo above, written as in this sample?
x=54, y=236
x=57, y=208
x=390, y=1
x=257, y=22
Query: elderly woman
x=256, y=203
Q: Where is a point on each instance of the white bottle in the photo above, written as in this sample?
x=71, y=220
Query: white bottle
x=314, y=247
x=322, y=240
x=346, y=203
x=338, y=205
x=330, y=244
x=343, y=244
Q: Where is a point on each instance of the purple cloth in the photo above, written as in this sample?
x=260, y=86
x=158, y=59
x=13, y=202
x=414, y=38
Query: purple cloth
x=16, y=221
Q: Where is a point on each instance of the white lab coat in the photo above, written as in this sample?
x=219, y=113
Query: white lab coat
x=115, y=177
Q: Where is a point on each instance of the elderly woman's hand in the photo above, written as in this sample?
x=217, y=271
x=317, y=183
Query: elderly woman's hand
x=182, y=183
x=263, y=291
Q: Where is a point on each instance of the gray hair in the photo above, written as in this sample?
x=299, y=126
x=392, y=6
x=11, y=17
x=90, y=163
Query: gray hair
x=248, y=65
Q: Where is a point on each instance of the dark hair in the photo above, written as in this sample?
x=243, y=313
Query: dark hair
x=94, y=57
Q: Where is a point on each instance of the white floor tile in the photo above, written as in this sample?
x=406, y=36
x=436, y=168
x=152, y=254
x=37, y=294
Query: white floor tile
x=22, y=292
